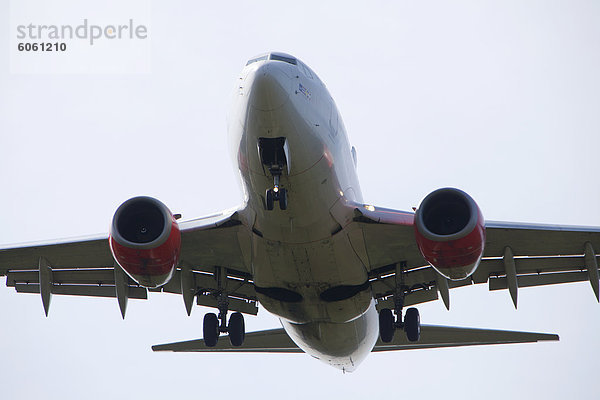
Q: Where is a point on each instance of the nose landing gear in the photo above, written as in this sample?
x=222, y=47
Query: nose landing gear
x=277, y=193
x=273, y=153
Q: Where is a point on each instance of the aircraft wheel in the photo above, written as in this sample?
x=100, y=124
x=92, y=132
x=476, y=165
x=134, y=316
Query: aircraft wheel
x=211, y=329
x=386, y=325
x=236, y=329
x=283, y=199
x=412, y=324
x=269, y=199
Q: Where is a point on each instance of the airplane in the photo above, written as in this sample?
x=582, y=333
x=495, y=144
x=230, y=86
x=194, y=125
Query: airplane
x=339, y=273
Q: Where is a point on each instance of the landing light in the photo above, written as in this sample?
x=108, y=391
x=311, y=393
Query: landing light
x=276, y=189
x=370, y=208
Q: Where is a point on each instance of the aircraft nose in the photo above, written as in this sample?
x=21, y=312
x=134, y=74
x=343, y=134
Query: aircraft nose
x=270, y=88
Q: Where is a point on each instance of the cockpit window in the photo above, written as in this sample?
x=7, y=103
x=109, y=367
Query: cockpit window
x=289, y=60
x=261, y=58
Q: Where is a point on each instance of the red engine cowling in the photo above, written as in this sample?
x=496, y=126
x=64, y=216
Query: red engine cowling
x=450, y=232
x=145, y=241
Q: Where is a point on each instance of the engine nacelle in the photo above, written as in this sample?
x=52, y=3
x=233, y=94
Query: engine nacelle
x=450, y=232
x=145, y=241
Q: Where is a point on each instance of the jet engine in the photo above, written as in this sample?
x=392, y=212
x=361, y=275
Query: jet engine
x=450, y=232
x=145, y=241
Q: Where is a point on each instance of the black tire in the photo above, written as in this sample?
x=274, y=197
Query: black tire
x=269, y=199
x=236, y=328
x=412, y=325
x=386, y=325
x=282, y=199
x=211, y=329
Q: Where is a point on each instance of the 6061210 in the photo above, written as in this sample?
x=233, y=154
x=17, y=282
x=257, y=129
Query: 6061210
x=42, y=46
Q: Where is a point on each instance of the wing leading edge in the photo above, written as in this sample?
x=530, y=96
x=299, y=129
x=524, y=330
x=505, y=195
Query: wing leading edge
x=432, y=336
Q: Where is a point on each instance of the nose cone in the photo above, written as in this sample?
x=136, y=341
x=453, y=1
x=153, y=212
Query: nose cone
x=271, y=87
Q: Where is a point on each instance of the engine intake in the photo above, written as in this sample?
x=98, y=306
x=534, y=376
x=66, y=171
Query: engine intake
x=450, y=232
x=145, y=240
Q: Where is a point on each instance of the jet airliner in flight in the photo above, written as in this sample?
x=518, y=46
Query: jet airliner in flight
x=340, y=274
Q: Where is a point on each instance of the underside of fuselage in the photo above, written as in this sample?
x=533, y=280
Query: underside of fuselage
x=288, y=138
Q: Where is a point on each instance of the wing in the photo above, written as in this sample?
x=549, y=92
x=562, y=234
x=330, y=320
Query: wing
x=432, y=336
x=212, y=247
x=516, y=255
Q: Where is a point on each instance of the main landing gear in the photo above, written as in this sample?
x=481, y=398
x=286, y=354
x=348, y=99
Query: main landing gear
x=212, y=329
x=411, y=324
x=213, y=326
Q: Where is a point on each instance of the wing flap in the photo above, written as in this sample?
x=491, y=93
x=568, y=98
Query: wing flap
x=240, y=292
x=534, y=271
x=235, y=304
x=419, y=284
x=529, y=265
x=97, y=282
x=83, y=290
x=498, y=283
x=412, y=298
x=96, y=276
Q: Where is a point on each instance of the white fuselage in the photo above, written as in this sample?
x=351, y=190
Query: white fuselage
x=303, y=250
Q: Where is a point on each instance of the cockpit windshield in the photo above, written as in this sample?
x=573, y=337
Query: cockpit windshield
x=275, y=57
x=280, y=57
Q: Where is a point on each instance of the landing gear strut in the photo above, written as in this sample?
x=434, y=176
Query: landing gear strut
x=411, y=324
x=215, y=325
x=277, y=193
x=273, y=155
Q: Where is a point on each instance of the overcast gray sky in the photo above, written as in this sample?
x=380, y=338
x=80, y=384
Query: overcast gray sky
x=500, y=99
